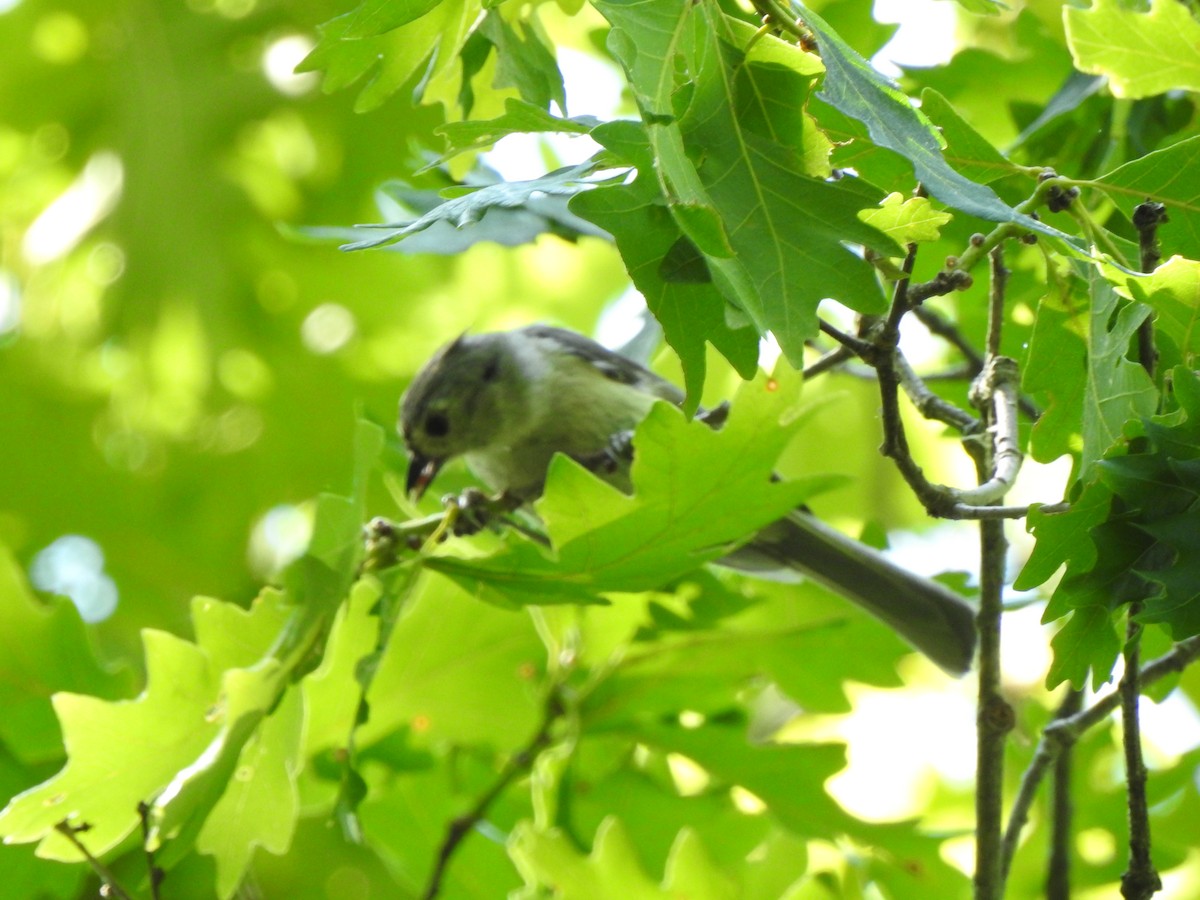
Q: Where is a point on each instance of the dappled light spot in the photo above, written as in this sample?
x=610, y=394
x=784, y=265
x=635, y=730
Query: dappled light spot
x=278, y=538
x=1096, y=845
x=78, y=209
x=279, y=63
x=10, y=302
x=244, y=374
x=236, y=429
x=73, y=566
x=106, y=263
x=60, y=38
x=328, y=328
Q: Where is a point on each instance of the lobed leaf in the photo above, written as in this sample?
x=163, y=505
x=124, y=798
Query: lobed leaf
x=697, y=492
x=853, y=86
x=740, y=166
x=506, y=212
x=679, y=291
x=1141, y=53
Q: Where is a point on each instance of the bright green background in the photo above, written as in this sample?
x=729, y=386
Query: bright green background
x=158, y=396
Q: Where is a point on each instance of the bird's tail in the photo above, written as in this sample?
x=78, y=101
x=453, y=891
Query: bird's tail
x=931, y=617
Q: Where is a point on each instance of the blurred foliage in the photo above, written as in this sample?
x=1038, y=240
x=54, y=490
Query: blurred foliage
x=191, y=367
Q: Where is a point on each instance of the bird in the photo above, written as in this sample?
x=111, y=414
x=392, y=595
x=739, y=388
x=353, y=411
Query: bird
x=508, y=401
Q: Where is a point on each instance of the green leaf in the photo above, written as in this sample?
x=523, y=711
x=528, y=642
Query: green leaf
x=457, y=671
x=331, y=691
x=1118, y=389
x=706, y=671
x=1173, y=292
x=397, y=56
x=180, y=742
x=691, y=310
x=261, y=805
x=1141, y=54
x=906, y=221
x=120, y=753
x=520, y=117
x=788, y=778
x=524, y=62
x=741, y=172
x=1057, y=367
x=410, y=806
x=1088, y=641
x=511, y=212
x=380, y=16
x=967, y=150
x=551, y=858
x=1064, y=537
x=1130, y=536
x=984, y=7
x=1164, y=176
x=853, y=86
x=691, y=872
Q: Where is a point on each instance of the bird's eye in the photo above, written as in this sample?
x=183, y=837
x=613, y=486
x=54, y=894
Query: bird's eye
x=491, y=370
x=437, y=425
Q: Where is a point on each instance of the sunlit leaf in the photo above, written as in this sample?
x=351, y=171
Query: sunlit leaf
x=1141, y=53
x=683, y=473
x=906, y=221
x=771, y=229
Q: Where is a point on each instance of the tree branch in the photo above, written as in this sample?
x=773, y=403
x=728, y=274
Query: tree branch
x=1062, y=812
x=520, y=763
x=1062, y=733
x=996, y=390
x=1146, y=219
x=1140, y=881
x=994, y=717
x=994, y=394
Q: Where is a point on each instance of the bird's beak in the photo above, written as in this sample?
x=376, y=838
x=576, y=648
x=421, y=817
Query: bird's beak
x=421, y=471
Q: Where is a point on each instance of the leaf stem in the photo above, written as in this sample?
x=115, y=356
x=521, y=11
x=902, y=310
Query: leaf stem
x=107, y=878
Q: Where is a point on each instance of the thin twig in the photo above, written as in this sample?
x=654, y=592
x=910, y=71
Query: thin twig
x=996, y=390
x=856, y=345
x=895, y=443
x=959, y=511
x=1146, y=219
x=518, y=764
x=929, y=404
x=902, y=302
x=994, y=717
x=156, y=873
x=996, y=295
x=939, y=326
x=830, y=360
x=1062, y=733
x=71, y=833
x=1062, y=811
x=1140, y=881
